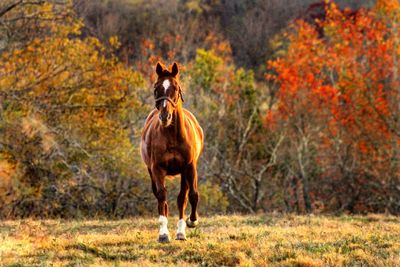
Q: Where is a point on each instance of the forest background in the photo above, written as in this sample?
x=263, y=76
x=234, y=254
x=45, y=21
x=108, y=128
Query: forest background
x=299, y=102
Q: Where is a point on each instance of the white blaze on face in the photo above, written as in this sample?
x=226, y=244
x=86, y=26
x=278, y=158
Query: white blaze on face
x=166, y=84
x=163, y=225
x=181, y=226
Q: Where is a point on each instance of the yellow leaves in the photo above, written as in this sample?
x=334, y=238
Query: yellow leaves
x=81, y=94
x=94, y=57
x=63, y=76
x=76, y=27
x=114, y=42
x=90, y=99
x=95, y=43
x=46, y=10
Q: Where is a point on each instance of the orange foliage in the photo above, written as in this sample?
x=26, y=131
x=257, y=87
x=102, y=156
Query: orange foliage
x=348, y=76
x=338, y=103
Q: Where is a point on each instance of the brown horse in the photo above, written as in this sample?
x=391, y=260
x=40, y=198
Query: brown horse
x=171, y=143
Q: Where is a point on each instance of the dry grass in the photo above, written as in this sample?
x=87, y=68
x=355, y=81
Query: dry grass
x=265, y=240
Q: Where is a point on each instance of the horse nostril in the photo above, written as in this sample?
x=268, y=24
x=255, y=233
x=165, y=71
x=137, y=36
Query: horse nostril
x=165, y=116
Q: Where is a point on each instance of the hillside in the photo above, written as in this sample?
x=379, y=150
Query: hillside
x=298, y=117
x=283, y=240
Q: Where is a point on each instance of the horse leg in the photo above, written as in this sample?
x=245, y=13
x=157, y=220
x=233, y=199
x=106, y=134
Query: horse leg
x=158, y=186
x=182, y=201
x=191, y=175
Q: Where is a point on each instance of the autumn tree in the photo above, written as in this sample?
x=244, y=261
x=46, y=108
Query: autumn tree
x=338, y=104
x=67, y=111
x=239, y=152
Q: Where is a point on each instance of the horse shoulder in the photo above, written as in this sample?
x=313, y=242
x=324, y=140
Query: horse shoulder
x=148, y=122
x=196, y=132
x=145, y=141
x=193, y=121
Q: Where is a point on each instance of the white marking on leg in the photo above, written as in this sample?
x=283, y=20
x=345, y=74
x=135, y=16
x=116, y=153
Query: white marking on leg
x=163, y=221
x=166, y=85
x=181, y=226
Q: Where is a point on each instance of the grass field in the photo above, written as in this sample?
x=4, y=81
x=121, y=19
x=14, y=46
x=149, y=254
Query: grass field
x=263, y=240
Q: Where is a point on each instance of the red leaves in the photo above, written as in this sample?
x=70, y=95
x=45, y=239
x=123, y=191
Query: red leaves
x=346, y=79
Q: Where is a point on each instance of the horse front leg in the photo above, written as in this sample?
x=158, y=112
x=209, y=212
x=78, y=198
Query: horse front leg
x=159, y=190
x=181, y=202
x=191, y=176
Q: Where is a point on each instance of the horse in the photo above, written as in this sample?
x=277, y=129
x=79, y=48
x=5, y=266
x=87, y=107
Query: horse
x=171, y=143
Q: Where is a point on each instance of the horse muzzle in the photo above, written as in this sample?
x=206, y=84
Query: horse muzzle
x=165, y=119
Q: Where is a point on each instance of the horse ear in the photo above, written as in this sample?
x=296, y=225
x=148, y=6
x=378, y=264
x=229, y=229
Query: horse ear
x=159, y=69
x=175, y=69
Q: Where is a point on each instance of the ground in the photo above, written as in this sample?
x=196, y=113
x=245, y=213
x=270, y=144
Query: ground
x=262, y=240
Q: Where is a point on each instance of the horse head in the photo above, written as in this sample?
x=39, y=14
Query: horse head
x=167, y=93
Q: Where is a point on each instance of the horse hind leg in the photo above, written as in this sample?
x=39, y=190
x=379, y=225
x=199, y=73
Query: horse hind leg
x=191, y=175
x=193, y=221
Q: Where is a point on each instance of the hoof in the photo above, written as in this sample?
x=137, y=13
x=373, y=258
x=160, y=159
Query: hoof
x=180, y=236
x=164, y=238
x=191, y=224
